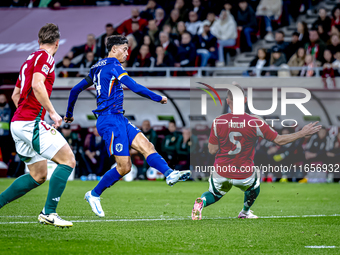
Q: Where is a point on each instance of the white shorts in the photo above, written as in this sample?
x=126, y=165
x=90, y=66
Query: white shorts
x=36, y=140
x=219, y=185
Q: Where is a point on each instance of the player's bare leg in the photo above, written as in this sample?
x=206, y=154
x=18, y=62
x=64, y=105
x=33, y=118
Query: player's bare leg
x=143, y=145
x=25, y=183
x=66, y=162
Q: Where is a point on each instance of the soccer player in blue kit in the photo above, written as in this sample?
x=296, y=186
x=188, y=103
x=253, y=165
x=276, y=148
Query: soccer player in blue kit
x=119, y=134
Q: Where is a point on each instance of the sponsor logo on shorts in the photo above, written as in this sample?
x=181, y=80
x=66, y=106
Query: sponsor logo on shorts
x=53, y=131
x=45, y=69
x=119, y=147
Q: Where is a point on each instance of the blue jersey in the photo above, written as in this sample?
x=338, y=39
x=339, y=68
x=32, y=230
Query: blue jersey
x=108, y=75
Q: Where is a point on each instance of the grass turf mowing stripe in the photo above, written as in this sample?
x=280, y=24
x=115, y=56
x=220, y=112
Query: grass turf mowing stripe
x=178, y=218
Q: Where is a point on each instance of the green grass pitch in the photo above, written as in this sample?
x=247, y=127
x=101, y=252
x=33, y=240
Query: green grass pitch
x=150, y=217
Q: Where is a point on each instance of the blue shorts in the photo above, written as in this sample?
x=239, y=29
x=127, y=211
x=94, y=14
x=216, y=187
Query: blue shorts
x=117, y=132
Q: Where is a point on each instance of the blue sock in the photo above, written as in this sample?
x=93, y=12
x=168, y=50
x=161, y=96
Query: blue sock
x=109, y=178
x=156, y=161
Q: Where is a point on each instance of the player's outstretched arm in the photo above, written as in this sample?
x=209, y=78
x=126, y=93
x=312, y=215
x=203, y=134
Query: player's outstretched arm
x=39, y=89
x=82, y=85
x=307, y=130
x=141, y=90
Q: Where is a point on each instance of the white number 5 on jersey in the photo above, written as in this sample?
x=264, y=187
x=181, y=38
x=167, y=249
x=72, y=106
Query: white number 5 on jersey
x=232, y=136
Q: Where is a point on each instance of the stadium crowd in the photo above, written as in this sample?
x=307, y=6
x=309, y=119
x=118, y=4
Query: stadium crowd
x=203, y=33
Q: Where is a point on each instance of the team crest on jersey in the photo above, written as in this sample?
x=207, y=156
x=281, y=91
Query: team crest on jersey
x=53, y=131
x=119, y=147
x=45, y=69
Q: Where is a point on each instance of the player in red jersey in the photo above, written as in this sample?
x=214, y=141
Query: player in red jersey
x=233, y=139
x=35, y=140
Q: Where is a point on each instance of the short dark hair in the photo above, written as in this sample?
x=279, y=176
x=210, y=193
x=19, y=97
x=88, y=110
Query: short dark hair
x=115, y=40
x=230, y=95
x=49, y=34
x=280, y=32
x=173, y=122
x=109, y=25
x=296, y=34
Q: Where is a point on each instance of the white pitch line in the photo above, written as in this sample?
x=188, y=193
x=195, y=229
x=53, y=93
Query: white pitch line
x=320, y=247
x=164, y=219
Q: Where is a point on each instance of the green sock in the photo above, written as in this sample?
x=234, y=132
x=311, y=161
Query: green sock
x=249, y=198
x=209, y=198
x=57, y=185
x=19, y=187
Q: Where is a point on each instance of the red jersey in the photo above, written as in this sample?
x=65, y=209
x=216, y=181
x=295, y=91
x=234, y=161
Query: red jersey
x=29, y=107
x=236, y=136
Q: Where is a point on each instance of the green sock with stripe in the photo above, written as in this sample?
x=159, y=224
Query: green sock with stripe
x=57, y=185
x=209, y=198
x=249, y=198
x=18, y=188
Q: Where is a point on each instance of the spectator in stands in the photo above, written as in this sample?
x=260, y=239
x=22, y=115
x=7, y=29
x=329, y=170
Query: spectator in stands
x=279, y=40
x=323, y=24
x=137, y=34
x=293, y=46
x=333, y=149
x=194, y=24
x=150, y=10
x=315, y=150
x=66, y=63
x=183, y=11
x=297, y=60
x=199, y=9
x=126, y=27
x=132, y=50
x=336, y=16
x=96, y=155
x=110, y=30
x=86, y=64
x=246, y=23
x=232, y=7
x=206, y=45
x=302, y=29
x=328, y=74
x=270, y=10
x=151, y=135
x=147, y=41
x=186, y=54
x=186, y=146
x=169, y=144
x=277, y=58
x=181, y=29
x=163, y=59
x=307, y=70
x=335, y=44
x=316, y=46
x=224, y=29
x=91, y=45
x=5, y=137
x=159, y=18
x=260, y=61
x=211, y=18
x=144, y=59
x=336, y=63
x=153, y=30
x=167, y=45
x=285, y=154
x=173, y=20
